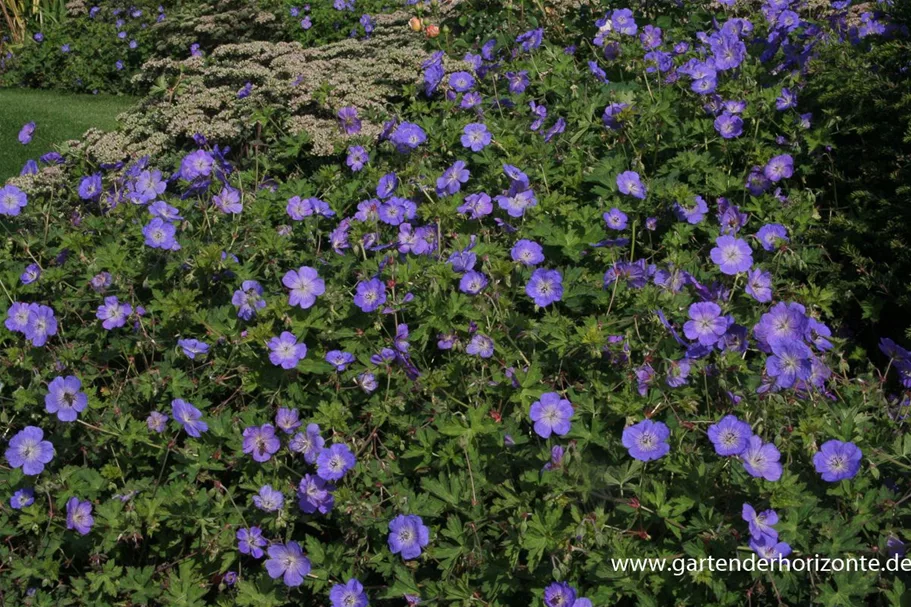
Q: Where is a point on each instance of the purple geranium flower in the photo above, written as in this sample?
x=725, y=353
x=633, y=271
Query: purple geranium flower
x=790, y=361
x=733, y=255
x=228, y=201
x=309, y=443
x=480, y=345
x=472, y=283
x=113, y=313
x=12, y=200
x=22, y=498
x=770, y=549
x=761, y=459
x=248, y=299
x=340, y=360
x=476, y=136
x=527, y=252
x=193, y=348
x=559, y=594
x=370, y=294
x=287, y=561
x=647, y=440
x=156, y=421
x=772, y=235
x=31, y=274
x=28, y=450
x=729, y=126
x=408, y=136
x=545, y=287
x=730, y=435
x=706, y=323
x=41, y=324
x=315, y=495
x=677, y=372
x=628, y=182
x=552, y=415
x=287, y=420
x=305, y=285
x=349, y=121
x=251, y=541
x=453, y=178
x=261, y=442
x=779, y=167
x=759, y=285
x=79, y=515
x=461, y=82
x=26, y=133
x=476, y=205
x=357, y=158
x=837, y=461
x=65, y=398
x=350, y=594
x=692, y=215
x=407, y=536
x=616, y=219
x=332, y=463
x=269, y=499
x=159, y=234
x=90, y=187
x=189, y=417
x=760, y=522
x=285, y=352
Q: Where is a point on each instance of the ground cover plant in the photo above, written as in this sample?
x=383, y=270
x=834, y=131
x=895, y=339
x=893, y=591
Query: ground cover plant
x=554, y=293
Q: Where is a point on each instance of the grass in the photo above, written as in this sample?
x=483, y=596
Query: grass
x=58, y=116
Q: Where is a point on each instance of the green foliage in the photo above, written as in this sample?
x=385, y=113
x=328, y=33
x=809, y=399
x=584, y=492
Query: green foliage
x=446, y=435
x=862, y=101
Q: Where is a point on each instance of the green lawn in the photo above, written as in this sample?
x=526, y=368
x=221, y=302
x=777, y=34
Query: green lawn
x=57, y=116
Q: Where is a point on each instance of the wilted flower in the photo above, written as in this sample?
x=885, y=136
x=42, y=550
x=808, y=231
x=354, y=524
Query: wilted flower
x=157, y=421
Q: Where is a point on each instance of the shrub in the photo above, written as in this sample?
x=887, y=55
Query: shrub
x=863, y=101
x=95, y=49
x=556, y=311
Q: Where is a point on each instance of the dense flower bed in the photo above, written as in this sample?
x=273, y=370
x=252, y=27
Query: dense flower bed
x=557, y=307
